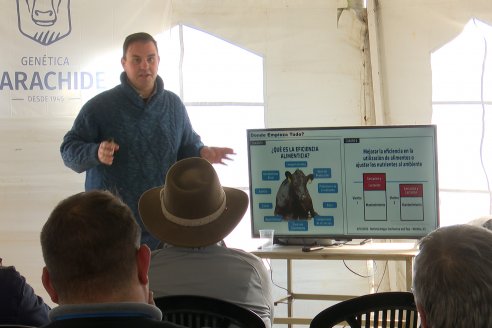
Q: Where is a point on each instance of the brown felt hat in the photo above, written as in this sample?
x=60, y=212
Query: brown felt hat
x=192, y=209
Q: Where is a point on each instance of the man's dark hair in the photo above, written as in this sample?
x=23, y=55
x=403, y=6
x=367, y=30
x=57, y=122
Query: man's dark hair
x=90, y=244
x=138, y=37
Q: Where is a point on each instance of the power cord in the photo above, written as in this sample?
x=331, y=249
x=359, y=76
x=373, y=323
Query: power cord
x=358, y=274
x=273, y=282
x=382, y=276
x=369, y=276
x=483, y=118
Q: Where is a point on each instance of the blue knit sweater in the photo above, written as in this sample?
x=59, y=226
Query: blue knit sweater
x=152, y=136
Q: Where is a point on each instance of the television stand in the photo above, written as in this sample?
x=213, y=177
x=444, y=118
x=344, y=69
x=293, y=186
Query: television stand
x=309, y=241
x=404, y=252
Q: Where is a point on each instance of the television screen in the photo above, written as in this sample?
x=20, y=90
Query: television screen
x=344, y=182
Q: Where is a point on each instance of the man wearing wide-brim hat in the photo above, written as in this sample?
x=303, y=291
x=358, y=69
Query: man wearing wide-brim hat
x=191, y=214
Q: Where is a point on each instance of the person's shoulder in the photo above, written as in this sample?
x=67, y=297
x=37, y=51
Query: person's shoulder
x=245, y=255
x=105, y=99
x=96, y=101
x=105, y=95
x=103, y=322
x=483, y=221
x=167, y=324
x=171, y=96
x=249, y=260
x=9, y=271
x=152, y=323
x=10, y=277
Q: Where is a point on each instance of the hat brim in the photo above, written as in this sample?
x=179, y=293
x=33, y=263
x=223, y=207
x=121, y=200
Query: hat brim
x=149, y=207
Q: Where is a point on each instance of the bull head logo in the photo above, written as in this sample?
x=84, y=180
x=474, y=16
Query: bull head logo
x=44, y=21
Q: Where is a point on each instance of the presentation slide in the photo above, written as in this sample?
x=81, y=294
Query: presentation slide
x=352, y=182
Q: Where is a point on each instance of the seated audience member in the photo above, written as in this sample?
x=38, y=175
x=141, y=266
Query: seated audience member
x=191, y=214
x=452, y=278
x=19, y=304
x=96, y=269
x=483, y=221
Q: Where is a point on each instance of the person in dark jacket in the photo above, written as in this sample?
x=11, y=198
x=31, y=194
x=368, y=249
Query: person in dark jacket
x=19, y=304
x=124, y=138
x=96, y=269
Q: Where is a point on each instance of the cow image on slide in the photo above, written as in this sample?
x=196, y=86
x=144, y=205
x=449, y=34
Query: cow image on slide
x=293, y=200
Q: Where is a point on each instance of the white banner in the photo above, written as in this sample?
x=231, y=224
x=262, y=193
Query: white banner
x=57, y=54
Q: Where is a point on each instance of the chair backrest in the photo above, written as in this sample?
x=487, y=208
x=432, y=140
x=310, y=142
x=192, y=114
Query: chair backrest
x=200, y=311
x=386, y=309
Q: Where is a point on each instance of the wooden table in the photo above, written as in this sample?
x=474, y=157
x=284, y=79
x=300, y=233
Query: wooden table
x=370, y=251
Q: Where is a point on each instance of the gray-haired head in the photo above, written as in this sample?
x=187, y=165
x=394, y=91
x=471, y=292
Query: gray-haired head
x=452, y=278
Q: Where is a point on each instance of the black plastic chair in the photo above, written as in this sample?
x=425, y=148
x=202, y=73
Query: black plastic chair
x=199, y=311
x=386, y=309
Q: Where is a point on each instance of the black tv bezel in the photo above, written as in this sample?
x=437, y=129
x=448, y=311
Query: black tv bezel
x=326, y=239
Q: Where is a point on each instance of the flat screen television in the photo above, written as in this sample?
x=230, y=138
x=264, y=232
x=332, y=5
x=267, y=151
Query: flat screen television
x=316, y=185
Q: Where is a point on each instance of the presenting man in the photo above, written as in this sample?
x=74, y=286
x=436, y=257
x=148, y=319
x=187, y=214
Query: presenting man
x=126, y=137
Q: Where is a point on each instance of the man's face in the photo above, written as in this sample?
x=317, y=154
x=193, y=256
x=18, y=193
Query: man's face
x=140, y=64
